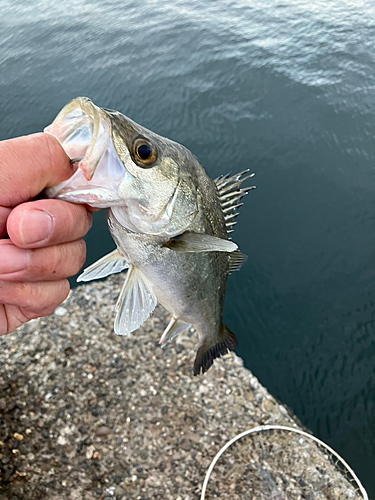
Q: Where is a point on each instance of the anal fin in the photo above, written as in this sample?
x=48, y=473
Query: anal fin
x=111, y=263
x=207, y=353
x=174, y=328
x=135, y=304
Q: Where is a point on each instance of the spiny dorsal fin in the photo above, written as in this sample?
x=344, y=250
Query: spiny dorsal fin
x=236, y=259
x=230, y=194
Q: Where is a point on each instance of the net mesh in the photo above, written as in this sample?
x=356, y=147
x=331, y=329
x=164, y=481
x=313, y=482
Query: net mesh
x=281, y=464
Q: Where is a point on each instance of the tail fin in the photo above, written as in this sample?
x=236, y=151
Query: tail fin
x=207, y=353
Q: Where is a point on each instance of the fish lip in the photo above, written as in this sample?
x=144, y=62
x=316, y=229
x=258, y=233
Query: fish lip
x=82, y=113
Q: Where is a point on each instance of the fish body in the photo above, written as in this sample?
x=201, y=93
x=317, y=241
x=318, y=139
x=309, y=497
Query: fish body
x=191, y=286
x=169, y=220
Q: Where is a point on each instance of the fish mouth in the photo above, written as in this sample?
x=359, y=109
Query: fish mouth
x=84, y=131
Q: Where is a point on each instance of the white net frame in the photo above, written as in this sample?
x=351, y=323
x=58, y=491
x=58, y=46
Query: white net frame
x=348, y=470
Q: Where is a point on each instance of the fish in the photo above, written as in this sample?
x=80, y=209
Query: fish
x=169, y=220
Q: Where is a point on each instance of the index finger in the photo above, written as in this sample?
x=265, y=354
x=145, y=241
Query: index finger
x=30, y=164
x=4, y=213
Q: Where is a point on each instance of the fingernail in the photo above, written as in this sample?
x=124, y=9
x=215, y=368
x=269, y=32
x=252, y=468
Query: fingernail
x=35, y=226
x=12, y=259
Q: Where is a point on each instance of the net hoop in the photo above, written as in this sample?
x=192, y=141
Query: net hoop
x=262, y=428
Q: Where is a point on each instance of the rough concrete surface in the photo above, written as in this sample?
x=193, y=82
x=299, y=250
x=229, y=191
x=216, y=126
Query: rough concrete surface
x=85, y=414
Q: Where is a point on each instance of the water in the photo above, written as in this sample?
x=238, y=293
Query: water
x=283, y=87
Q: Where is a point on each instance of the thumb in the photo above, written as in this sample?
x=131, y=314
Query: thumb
x=30, y=164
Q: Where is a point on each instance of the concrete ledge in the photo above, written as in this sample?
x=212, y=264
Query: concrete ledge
x=86, y=415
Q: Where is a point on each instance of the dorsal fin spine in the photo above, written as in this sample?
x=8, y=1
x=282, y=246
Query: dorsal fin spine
x=231, y=187
x=235, y=197
x=231, y=216
x=234, y=207
x=230, y=193
x=221, y=182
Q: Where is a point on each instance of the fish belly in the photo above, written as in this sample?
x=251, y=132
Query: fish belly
x=191, y=286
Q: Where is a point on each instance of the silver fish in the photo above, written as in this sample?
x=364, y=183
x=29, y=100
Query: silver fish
x=169, y=220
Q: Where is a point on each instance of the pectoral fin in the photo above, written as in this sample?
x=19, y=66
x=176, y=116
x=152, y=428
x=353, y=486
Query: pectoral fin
x=135, y=304
x=200, y=242
x=174, y=328
x=112, y=263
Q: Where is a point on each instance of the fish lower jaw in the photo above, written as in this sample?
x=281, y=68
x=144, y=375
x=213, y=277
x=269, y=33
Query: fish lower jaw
x=89, y=196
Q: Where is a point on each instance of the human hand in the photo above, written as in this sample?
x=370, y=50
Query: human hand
x=44, y=245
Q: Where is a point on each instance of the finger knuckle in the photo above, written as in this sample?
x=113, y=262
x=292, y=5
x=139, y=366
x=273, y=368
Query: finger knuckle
x=47, y=296
x=89, y=219
x=73, y=255
x=75, y=222
x=50, y=145
x=57, y=293
x=81, y=254
x=54, y=155
x=81, y=220
x=47, y=262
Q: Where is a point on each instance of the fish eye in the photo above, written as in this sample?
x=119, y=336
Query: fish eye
x=144, y=153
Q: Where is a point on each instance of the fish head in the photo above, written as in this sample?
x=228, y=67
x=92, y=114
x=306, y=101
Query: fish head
x=146, y=179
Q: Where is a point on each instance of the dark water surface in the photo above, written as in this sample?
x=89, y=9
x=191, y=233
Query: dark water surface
x=286, y=88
